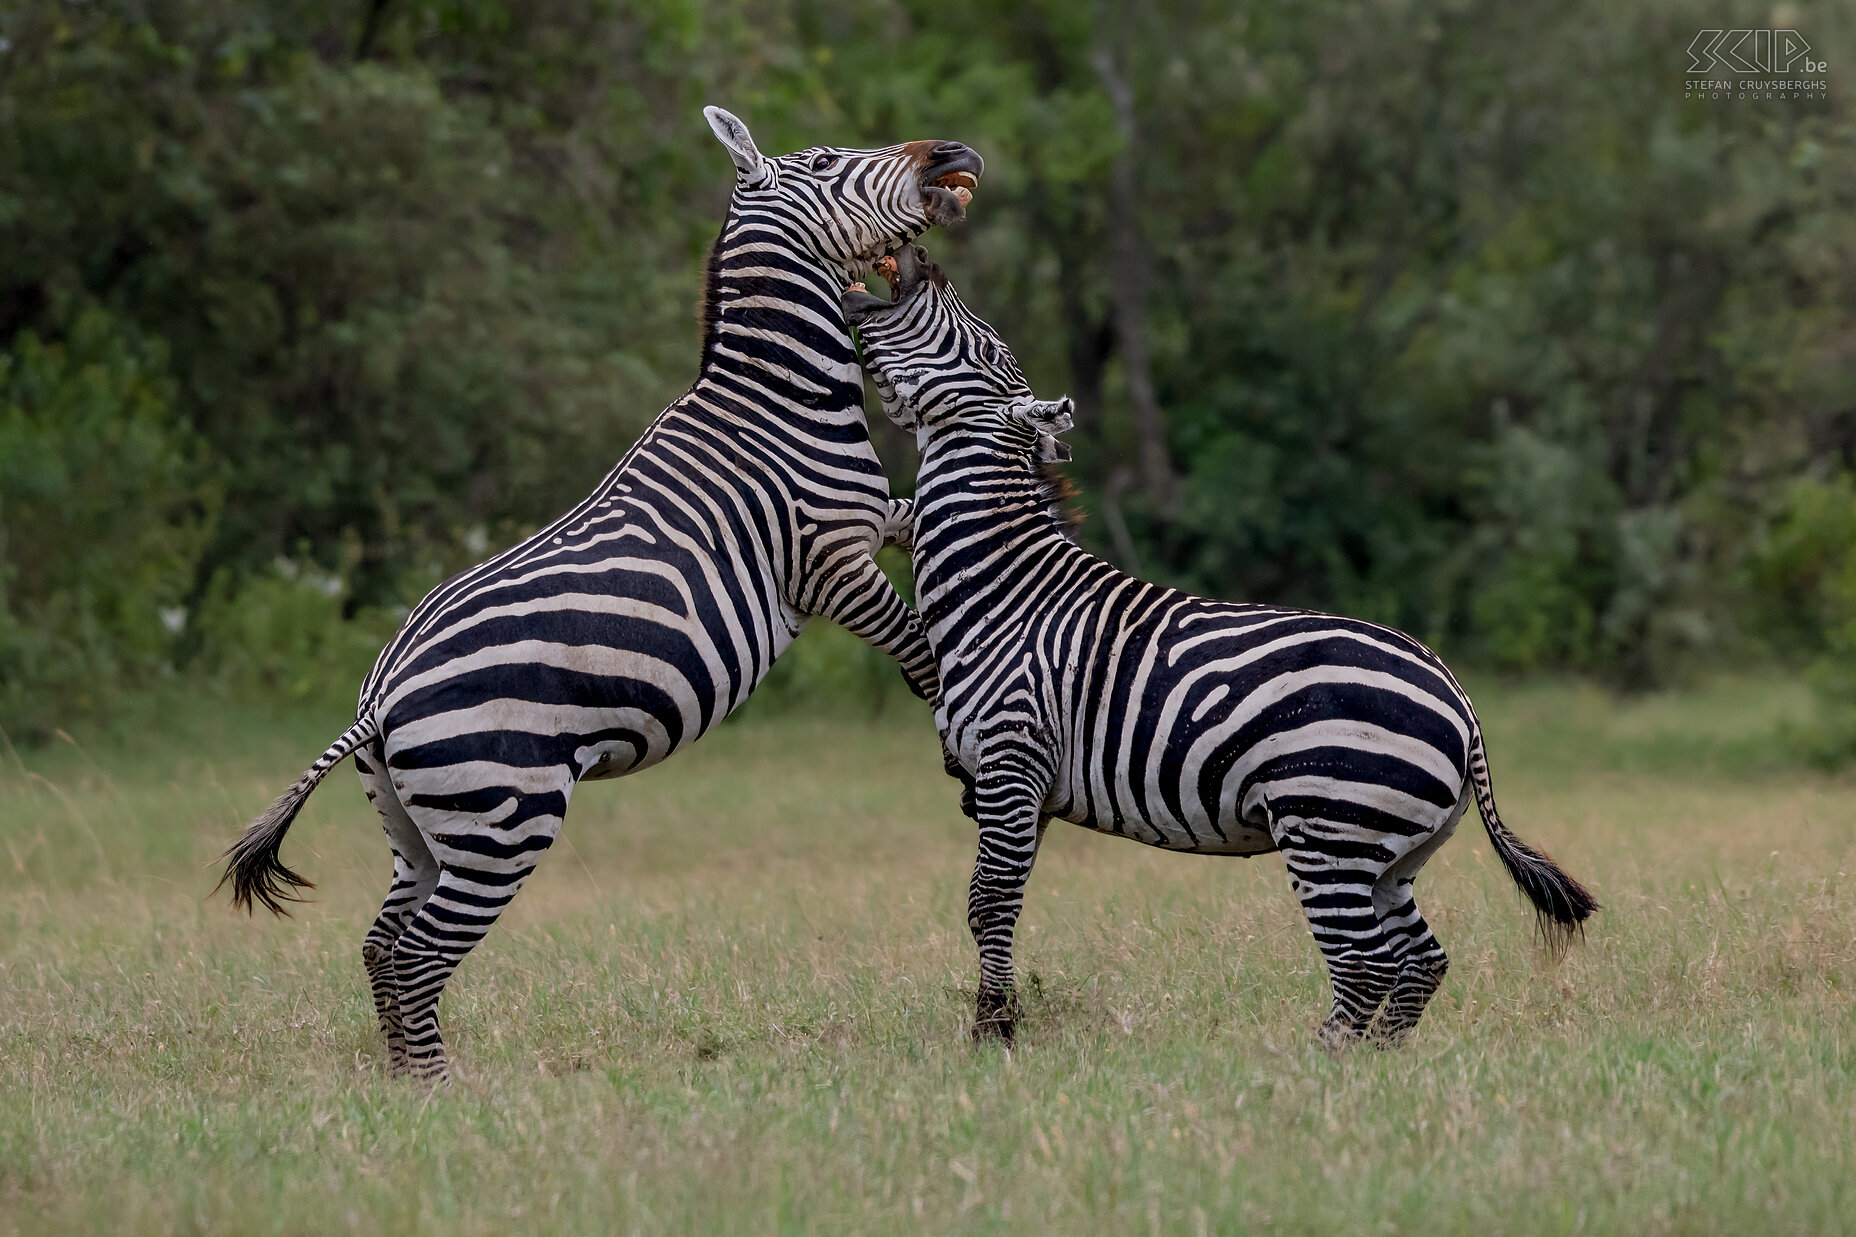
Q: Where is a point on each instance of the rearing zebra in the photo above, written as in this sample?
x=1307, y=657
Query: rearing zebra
x=635, y=622
x=1072, y=689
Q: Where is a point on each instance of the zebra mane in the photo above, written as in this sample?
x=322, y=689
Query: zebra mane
x=1058, y=494
x=709, y=300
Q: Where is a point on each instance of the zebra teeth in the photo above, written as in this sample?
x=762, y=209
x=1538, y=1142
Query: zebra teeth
x=958, y=181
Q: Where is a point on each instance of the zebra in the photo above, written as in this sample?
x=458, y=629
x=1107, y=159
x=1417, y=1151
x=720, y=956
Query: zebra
x=1072, y=690
x=634, y=623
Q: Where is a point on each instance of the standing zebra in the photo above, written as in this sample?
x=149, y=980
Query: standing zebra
x=634, y=623
x=1075, y=690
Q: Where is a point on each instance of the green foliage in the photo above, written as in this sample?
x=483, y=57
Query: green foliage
x=1461, y=316
x=283, y=634
x=374, y=313
x=102, y=516
x=1807, y=570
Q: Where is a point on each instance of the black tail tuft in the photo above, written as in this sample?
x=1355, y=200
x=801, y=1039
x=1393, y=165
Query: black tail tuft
x=1561, y=904
x=254, y=869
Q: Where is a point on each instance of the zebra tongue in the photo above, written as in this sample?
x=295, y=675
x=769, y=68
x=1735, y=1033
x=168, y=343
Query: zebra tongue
x=963, y=193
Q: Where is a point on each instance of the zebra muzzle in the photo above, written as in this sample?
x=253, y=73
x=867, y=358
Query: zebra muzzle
x=948, y=181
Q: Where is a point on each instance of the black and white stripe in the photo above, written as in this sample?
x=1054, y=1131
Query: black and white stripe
x=1071, y=689
x=635, y=622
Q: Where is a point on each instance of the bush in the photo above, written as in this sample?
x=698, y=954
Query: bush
x=282, y=633
x=1806, y=571
x=103, y=513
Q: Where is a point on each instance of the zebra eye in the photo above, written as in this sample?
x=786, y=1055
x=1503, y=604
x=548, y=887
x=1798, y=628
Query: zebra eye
x=823, y=162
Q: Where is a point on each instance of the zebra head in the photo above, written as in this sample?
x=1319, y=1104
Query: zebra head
x=849, y=207
x=938, y=365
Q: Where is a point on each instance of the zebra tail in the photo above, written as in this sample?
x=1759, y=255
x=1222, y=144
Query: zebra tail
x=253, y=867
x=1561, y=904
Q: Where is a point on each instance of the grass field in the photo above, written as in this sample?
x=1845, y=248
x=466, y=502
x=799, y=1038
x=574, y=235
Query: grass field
x=735, y=999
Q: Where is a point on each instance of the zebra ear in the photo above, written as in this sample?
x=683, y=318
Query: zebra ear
x=1052, y=416
x=734, y=135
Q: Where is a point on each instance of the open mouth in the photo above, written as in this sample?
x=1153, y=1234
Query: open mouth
x=962, y=183
x=905, y=271
x=949, y=178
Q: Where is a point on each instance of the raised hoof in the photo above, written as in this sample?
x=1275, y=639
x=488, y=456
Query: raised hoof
x=995, y=1016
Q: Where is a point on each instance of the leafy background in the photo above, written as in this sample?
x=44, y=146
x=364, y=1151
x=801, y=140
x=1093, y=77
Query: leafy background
x=1454, y=314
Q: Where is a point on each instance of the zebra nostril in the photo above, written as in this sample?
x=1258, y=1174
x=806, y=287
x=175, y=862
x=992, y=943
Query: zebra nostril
x=949, y=148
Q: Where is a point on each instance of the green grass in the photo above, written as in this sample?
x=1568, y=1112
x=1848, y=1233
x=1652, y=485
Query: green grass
x=737, y=1001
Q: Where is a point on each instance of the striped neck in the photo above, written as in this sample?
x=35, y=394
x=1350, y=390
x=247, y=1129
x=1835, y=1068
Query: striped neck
x=980, y=507
x=774, y=325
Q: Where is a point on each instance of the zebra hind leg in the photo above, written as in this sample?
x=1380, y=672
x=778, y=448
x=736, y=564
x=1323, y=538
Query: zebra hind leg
x=486, y=836
x=462, y=909
x=1421, y=967
x=412, y=884
x=415, y=874
x=1421, y=960
x=441, y=934
x=1336, y=892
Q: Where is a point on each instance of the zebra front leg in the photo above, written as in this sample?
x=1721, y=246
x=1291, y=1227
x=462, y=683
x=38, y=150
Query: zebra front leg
x=951, y=766
x=861, y=599
x=899, y=523
x=1334, y=878
x=1009, y=797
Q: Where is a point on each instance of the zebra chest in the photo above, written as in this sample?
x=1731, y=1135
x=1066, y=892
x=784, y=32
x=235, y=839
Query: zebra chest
x=994, y=699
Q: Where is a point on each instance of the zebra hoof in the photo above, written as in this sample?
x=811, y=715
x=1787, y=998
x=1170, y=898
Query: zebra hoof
x=995, y=1017
x=1390, y=1036
x=1337, y=1036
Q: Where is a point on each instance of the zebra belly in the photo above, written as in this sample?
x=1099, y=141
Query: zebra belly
x=1237, y=837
